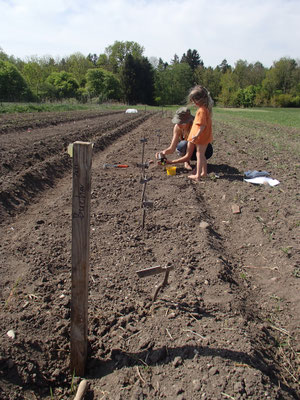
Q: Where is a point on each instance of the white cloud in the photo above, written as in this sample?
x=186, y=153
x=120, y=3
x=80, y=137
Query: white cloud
x=254, y=31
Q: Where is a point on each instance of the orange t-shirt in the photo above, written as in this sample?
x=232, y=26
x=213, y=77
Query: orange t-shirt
x=203, y=117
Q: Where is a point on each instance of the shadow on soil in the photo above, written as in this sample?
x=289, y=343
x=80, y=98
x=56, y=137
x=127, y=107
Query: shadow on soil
x=225, y=171
x=121, y=359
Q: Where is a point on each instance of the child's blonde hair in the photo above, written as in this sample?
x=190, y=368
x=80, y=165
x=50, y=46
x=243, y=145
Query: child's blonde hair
x=202, y=96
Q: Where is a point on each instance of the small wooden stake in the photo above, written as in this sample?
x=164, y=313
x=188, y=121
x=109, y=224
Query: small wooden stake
x=82, y=162
x=142, y=273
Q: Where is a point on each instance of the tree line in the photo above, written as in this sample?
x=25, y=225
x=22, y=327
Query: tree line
x=123, y=73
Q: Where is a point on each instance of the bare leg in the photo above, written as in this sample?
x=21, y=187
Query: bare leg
x=203, y=173
x=201, y=170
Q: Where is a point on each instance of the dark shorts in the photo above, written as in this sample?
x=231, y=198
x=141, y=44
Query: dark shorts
x=182, y=146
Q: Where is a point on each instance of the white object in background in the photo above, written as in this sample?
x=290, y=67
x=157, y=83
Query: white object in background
x=131, y=111
x=263, y=180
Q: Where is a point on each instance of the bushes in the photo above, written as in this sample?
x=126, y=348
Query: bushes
x=61, y=85
x=12, y=84
x=253, y=96
x=285, y=100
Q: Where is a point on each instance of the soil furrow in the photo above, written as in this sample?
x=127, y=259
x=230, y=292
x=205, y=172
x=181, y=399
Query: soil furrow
x=18, y=190
x=211, y=332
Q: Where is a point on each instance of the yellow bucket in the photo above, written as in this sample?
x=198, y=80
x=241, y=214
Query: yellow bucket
x=171, y=170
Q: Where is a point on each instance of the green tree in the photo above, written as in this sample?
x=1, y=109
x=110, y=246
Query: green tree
x=175, y=59
x=95, y=81
x=3, y=55
x=93, y=58
x=192, y=58
x=137, y=80
x=256, y=73
x=61, y=85
x=282, y=74
x=117, y=53
x=112, y=87
x=173, y=83
x=230, y=87
x=33, y=74
x=78, y=65
x=210, y=78
x=13, y=86
x=224, y=66
x=102, y=84
x=246, y=97
x=103, y=62
x=162, y=65
x=241, y=73
x=48, y=65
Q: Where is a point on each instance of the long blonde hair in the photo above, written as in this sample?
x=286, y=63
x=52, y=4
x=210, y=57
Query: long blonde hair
x=202, y=96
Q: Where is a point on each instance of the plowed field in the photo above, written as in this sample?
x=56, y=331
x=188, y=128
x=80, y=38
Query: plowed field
x=227, y=324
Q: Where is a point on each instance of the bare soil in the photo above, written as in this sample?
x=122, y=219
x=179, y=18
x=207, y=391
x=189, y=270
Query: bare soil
x=227, y=324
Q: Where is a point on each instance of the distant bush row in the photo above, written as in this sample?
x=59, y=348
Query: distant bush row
x=122, y=73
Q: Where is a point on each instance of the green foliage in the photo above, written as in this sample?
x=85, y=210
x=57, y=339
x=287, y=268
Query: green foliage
x=112, y=75
x=13, y=86
x=137, y=80
x=246, y=97
x=112, y=86
x=240, y=73
x=285, y=100
x=103, y=84
x=117, y=53
x=33, y=75
x=77, y=65
x=230, y=87
x=173, y=83
x=210, y=78
x=192, y=58
x=282, y=78
x=61, y=85
x=224, y=66
x=3, y=56
x=251, y=85
x=94, y=81
x=82, y=95
x=93, y=58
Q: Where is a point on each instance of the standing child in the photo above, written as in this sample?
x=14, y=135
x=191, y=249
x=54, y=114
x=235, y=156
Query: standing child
x=201, y=132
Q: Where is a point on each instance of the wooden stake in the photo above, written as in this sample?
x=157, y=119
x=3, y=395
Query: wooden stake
x=82, y=162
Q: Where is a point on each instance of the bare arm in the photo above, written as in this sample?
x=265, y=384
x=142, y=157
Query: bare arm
x=175, y=139
x=186, y=157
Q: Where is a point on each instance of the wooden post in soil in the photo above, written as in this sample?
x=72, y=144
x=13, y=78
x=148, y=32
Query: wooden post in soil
x=82, y=162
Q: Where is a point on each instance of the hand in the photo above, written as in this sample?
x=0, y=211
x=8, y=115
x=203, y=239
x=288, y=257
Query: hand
x=194, y=138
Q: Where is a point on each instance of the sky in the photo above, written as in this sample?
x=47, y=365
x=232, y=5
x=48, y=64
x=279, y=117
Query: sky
x=253, y=30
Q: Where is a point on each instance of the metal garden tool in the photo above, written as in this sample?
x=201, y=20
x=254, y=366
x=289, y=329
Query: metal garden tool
x=115, y=166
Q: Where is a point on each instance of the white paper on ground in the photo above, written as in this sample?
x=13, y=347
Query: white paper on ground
x=261, y=180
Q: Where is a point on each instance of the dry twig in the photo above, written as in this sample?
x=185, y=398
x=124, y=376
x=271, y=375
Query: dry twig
x=195, y=333
x=169, y=334
x=139, y=374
